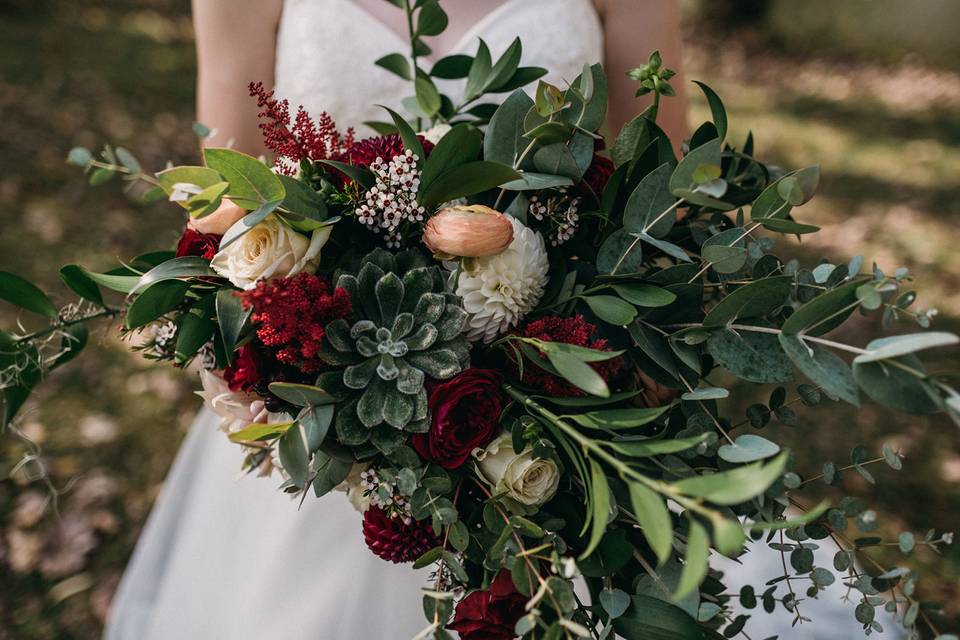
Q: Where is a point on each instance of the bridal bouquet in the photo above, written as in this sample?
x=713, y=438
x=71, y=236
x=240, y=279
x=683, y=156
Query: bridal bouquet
x=508, y=342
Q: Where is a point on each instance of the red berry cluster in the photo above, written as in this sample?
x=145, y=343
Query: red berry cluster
x=303, y=138
x=290, y=314
x=364, y=153
x=576, y=331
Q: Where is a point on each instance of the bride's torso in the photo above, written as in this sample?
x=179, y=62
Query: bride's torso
x=326, y=51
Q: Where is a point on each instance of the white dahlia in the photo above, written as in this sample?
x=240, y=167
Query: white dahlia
x=499, y=290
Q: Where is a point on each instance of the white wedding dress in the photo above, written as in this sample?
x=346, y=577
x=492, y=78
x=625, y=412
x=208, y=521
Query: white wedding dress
x=229, y=557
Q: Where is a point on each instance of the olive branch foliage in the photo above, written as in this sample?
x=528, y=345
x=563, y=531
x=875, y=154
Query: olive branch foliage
x=676, y=265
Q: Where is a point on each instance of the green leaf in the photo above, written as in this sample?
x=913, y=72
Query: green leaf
x=705, y=393
x=121, y=283
x=695, y=561
x=252, y=183
x=316, y=421
x=75, y=278
x=195, y=329
x=207, y=201
x=302, y=395
x=748, y=448
x=823, y=367
x=787, y=226
x=578, y=373
x=600, y=503
x=580, y=353
x=231, y=316
x=154, y=301
x=735, y=486
x=460, y=145
x=25, y=295
x=755, y=299
x=358, y=174
x=649, y=447
x=504, y=141
x=294, y=456
x=654, y=619
x=756, y=357
x=466, y=180
x=648, y=201
x=407, y=134
x=451, y=67
x=79, y=156
x=259, y=431
x=550, y=132
x=824, y=310
x=892, y=386
x=895, y=346
x=622, y=252
x=302, y=200
x=613, y=419
x=614, y=602
x=682, y=177
x=479, y=72
x=645, y=295
x=505, y=67
x=728, y=535
x=331, y=471
x=668, y=248
x=431, y=20
x=612, y=309
x=557, y=159
x=653, y=518
x=395, y=63
x=202, y=177
x=717, y=110
x=530, y=181
x=724, y=259
x=183, y=267
x=427, y=96
x=521, y=78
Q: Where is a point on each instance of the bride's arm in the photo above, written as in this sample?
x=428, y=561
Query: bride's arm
x=632, y=29
x=236, y=45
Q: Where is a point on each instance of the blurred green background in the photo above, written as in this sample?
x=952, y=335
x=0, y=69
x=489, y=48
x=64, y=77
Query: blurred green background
x=875, y=100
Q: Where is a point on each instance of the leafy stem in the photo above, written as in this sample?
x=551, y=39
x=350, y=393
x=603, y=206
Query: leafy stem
x=103, y=313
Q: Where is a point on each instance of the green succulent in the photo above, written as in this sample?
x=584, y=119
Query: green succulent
x=403, y=329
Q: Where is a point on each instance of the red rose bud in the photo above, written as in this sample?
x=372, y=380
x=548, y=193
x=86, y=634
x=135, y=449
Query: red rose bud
x=195, y=243
x=394, y=539
x=596, y=176
x=464, y=415
x=490, y=614
x=470, y=231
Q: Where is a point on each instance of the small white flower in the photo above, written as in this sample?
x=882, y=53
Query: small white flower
x=355, y=485
x=499, y=290
x=520, y=476
x=269, y=250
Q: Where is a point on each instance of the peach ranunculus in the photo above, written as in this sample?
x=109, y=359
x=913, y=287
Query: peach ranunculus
x=220, y=220
x=467, y=231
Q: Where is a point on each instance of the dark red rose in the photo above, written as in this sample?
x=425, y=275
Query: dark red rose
x=244, y=373
x=395, y=540
x=490, y=614
x=596, y=176
x=194, y=243
x=464, y=414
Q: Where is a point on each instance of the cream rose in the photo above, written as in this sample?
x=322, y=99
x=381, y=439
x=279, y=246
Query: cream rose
x=269, y=250
x=520, y=476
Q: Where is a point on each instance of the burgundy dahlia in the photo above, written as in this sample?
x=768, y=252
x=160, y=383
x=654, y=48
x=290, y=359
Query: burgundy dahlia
x=464, y=414
x=394, y=540
x=576, y=331
x=364, y=152
x=194, y=243
x=491, y=614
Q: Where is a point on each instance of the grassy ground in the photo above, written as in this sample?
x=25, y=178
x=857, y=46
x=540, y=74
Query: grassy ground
x=82, y=72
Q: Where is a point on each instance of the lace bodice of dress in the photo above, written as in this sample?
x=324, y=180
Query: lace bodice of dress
x=326, y=50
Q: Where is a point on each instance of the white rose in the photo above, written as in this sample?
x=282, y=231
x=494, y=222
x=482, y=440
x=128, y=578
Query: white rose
x=236, y=409
x=528, y=481
x=269, y=250
x=434, y=133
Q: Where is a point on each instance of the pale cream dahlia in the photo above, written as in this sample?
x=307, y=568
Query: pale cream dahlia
x=499, y=290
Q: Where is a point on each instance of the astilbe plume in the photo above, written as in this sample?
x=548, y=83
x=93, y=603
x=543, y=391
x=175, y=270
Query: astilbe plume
x=300, y=138
x=575, y=331
x=290, y=315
